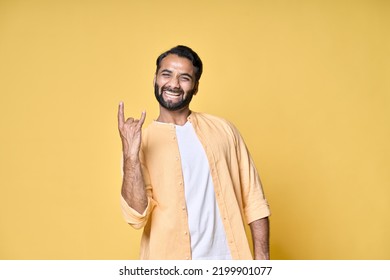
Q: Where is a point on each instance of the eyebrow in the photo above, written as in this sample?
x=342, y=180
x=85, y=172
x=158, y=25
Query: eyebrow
x=166, y=71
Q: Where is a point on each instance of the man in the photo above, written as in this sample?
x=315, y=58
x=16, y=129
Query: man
x=189, y=181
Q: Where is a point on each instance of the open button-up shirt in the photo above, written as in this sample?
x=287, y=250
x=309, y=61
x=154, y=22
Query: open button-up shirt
x=237, y=187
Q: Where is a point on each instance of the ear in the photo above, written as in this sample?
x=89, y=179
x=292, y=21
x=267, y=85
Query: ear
x=196, y=88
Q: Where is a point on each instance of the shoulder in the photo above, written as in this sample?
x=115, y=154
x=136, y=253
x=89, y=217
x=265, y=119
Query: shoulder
x=215, y=123
x=208, y=118
x=157, y=127
x=157, y=132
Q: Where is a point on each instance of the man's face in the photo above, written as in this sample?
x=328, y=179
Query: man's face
x=174, y=83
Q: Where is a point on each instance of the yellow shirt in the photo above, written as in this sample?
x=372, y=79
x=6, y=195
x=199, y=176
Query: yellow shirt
x=236, y=182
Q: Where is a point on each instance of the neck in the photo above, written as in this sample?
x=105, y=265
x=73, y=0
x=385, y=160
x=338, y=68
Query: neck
x=178, y=117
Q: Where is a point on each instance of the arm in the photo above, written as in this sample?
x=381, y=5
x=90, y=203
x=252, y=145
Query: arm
x=133, y=186
x=260, y=237
x=255, y=206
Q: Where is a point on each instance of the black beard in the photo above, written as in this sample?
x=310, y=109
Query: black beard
x=169, y=105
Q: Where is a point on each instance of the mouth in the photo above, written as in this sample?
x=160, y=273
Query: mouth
x=171, y=94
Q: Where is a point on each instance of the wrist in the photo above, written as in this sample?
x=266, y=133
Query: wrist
x=131, y=160
x=130, y=166
x=262, y=257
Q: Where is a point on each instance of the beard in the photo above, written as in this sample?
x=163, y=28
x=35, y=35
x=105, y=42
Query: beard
x=169, y=105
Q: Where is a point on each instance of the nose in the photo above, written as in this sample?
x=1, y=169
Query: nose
x=174, y=82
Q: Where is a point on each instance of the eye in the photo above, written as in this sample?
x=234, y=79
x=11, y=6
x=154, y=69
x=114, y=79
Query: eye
x=185, y=79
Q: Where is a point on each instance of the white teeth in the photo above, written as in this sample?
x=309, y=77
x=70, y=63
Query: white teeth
x=171, y=93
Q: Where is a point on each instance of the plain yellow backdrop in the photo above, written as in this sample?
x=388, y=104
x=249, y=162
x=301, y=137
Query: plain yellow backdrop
x=306, y=82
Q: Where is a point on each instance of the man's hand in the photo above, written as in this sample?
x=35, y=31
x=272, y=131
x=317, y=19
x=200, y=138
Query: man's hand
x=130, y=132
x=133, y=186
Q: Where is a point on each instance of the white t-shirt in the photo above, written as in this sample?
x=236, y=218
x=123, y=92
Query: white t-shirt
x=208, y=239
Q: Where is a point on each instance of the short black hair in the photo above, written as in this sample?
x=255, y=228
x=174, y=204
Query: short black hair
x=186, y=52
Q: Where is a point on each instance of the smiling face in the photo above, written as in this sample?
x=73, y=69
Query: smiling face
x=174, y=83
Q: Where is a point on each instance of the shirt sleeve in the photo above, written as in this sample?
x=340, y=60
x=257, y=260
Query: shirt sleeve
x=254, y=201
x=134, y=218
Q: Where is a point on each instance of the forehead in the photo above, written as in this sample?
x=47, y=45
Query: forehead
x=174, y=62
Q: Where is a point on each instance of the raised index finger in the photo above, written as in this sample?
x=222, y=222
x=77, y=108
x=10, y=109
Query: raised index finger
x=121, y=114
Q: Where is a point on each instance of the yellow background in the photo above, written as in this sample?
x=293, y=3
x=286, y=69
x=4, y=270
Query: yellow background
x=306, y=82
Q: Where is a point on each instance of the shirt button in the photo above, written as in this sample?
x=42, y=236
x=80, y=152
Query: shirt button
x=183, y=208
x=187, y=258
x=181, y=183
x=185, y=233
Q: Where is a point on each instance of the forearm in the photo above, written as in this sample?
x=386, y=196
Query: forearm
x=260, y=237
x=133, y=186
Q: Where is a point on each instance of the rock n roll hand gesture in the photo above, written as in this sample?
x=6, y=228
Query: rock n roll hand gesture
x=133, y=187
x=130, y=132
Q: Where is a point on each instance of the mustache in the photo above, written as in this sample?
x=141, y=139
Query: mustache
x=177, y=90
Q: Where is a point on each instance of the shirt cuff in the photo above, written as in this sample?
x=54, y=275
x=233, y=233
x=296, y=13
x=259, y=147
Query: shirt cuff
x=132, y=216
x=256, y=212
